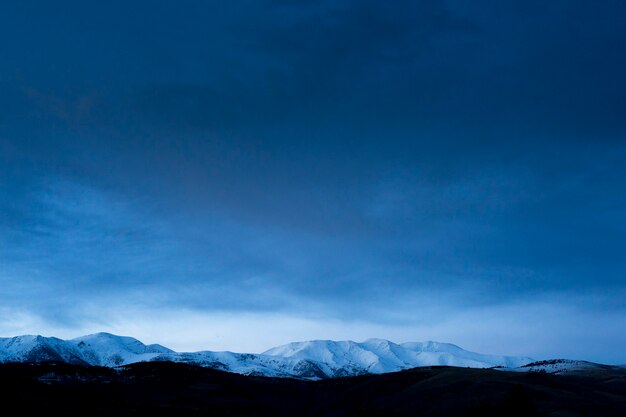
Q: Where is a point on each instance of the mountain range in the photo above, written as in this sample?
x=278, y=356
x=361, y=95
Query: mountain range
x=316, y=359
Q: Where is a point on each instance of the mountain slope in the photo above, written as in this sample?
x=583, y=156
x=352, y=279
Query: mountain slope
x=565, y=367
x=105, y=349
x=382, y=356
x=316, y=359
x=100, y=349
x=29, y=348
x=452, y=355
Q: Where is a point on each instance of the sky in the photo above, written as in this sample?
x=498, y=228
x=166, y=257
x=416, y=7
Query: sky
x=238, y=175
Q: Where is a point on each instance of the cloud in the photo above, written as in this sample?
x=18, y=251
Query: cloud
x=322, y=160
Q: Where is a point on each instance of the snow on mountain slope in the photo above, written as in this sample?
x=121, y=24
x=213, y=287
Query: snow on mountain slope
x=563, y=366
x=452, y=355
x=250, y=364
x=102, y=349
x=105, y=349
x=316, y=359
x=381, y=356
x=30, y=348
x=333, y=358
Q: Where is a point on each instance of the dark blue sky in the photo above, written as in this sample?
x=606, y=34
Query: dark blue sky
x=234, y=175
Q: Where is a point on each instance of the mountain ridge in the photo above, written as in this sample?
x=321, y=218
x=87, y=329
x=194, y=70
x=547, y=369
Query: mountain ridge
x=313, y=359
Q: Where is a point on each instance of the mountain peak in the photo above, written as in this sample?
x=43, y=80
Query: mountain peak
x=377, y=340
x=431, y=346
x=105, y=336
x=102, y=334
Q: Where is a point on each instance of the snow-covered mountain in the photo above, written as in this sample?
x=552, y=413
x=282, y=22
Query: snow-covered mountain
x=101, y=349
x=564, y=366
x=316, y=359
x=380, y=356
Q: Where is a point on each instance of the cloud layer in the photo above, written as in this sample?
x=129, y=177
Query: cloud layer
x=407, y=166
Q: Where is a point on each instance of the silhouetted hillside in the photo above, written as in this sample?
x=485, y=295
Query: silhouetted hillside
x=169, y=389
